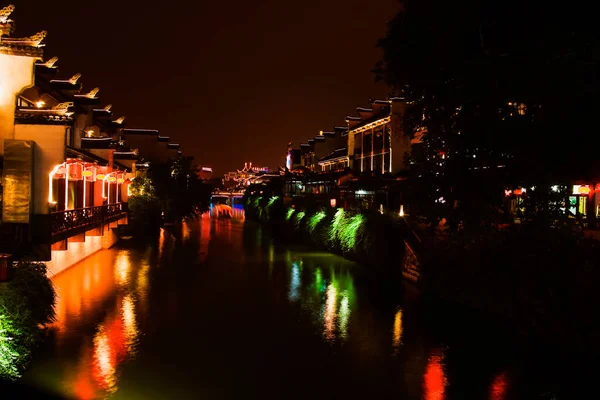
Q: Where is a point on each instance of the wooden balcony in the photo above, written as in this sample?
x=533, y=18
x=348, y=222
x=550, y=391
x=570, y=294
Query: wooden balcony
x=73, y=222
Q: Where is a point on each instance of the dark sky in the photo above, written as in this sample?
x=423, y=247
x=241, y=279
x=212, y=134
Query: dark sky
x=232, y=81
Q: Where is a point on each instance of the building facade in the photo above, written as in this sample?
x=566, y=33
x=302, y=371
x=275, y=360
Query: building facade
x=67, y=161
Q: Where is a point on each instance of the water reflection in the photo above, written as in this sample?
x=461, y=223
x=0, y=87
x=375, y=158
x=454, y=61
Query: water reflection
x=295, y=282
x=434, y=379
x=397, y=331
x=331, y=311
x=108, y=290
x=123, y=324
x=499, y=387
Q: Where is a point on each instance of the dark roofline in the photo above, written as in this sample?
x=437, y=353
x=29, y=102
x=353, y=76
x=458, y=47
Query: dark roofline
x=96, y=143
x=334, y=155
x=121, y=166
x=136, y=131
x=163, y=139
x=86, y=155
x=373, y=118
x=125, y=155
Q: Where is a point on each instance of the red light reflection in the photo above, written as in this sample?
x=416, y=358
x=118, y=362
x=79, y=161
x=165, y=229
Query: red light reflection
x=434, y=379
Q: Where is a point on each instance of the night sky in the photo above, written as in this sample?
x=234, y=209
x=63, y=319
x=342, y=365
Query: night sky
x=232, y=81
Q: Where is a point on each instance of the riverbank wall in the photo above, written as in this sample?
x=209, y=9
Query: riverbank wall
x=71, y=251
x=539, y=281
x=369, y=238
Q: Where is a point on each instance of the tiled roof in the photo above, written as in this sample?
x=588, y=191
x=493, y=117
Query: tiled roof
x=339, y=153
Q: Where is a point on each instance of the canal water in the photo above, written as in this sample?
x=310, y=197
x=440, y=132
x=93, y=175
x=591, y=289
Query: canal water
x=216, y=309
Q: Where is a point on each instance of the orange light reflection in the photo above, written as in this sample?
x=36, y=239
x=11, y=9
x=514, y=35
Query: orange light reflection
x=434, y=379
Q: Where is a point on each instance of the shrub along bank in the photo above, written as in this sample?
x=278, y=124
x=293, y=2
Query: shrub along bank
x=370, y=238
x=26, y=304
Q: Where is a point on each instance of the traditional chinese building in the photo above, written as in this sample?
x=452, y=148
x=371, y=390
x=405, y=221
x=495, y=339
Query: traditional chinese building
x=376, y=138
x=66, y=160
x=242, y=177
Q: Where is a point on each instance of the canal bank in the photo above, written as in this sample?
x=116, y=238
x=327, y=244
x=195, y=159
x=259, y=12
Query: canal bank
x=539, y=280
x=218, y=309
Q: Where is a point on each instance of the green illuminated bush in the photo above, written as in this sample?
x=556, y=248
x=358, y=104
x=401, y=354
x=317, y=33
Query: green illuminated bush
x=144, y=207
x=371, y=238
x=26, y=303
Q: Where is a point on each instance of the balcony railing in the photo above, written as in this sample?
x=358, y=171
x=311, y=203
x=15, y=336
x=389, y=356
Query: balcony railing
x=64, y=222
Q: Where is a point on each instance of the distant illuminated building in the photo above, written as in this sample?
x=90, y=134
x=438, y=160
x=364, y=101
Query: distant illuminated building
x=242, y=178
x=205, y=173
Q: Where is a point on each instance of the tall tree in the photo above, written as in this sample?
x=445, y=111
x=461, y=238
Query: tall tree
x=506, y=92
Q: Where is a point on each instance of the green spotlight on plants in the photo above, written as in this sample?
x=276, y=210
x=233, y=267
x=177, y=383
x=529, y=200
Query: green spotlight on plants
x=289, y=214
x=336, y=224
x=349, y=231
x=272, y=200
x=299, y=217
x=9, y=349
x=314, y=220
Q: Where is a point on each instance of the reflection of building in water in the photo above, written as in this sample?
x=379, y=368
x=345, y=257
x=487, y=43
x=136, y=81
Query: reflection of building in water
x=86, y=289
x=434, y=379
x=205, y=227
x=122, y=268
x=185, y=231
x=295, y=282
x=397, y=331
x=499, y=387
x=115, y=341
x=78, y=289
x=330, y=312
x=339, y=300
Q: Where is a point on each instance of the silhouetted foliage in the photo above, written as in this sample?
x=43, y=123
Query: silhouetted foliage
x=495, y=84
x=169, y=192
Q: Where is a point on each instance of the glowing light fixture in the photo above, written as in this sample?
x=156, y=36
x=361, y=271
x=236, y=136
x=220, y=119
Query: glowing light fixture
x=40, y=103
x=120, y=180
x=87, y=173
x=100, y=176
x=401, y=213
x=50, y=186
x=333, y=202
x=104, y=179
x=66, y=186
x=584, y=189
x=112, y=179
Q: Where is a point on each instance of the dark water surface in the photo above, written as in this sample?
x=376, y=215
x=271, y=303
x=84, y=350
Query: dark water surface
x=215, y=310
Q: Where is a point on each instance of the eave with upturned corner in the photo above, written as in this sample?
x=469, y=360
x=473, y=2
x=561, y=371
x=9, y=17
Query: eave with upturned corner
x=28, y=47
x=147, y=132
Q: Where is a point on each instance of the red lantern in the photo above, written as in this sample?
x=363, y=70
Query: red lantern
x=518, y=192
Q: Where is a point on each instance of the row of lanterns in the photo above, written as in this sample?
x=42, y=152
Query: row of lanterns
x=76, y=170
